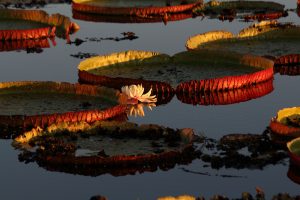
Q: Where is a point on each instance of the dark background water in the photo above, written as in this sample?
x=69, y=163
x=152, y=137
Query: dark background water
x=28, y=181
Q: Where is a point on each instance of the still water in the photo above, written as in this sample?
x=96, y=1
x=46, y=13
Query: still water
x=28, y=181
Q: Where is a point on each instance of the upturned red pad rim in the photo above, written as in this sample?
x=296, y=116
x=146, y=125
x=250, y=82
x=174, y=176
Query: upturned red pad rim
x=132, y=10
x=281, y=129
x=165, y=18
x=66, y=88
x=226, y=97
x=288, y=65
x=51, y=24
x=137, y=11
x=18, y=44
x=294, y=157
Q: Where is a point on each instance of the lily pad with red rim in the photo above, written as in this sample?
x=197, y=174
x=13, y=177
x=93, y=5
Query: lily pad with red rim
x=286, y=123
x=265, y=38
x=31, y=103
x=165, y=18
x=33, y=24
x=247, y=10
x=187, y=71
x=294, y=151
x=288, y=65
x=135, y=7
x=117, y=148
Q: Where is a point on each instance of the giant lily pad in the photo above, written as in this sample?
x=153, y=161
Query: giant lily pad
x=189, y=71
x=135, y=7
x=294, y=151
x=32, y=104
x=33, y=24
x=286, y=123
x=165, y=18
x=265, y=38
x=107, y=147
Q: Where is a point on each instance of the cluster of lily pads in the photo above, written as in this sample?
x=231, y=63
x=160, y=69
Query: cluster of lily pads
x=244, y=196
x=121, y=83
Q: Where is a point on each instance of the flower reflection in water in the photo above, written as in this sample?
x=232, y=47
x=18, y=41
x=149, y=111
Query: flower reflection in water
x=138, y=109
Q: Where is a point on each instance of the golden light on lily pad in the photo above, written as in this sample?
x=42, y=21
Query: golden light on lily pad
x=31, y=103
x=264, y=38
x=197, y=71
x=136, y=8
x=127, y=148
x=286, y=123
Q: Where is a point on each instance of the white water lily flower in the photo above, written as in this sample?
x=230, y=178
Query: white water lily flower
x=135, y=93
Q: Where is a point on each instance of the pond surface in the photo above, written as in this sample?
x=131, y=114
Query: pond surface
x=29, y=181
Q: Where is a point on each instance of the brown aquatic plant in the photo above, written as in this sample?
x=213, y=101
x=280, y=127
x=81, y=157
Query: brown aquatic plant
x=56, y=155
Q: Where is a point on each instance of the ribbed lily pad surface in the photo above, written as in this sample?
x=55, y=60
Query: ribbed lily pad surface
x=265, y=38
x=43, y=103
x=217, y=69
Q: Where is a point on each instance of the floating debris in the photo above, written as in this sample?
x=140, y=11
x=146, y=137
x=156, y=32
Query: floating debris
x=258, y=152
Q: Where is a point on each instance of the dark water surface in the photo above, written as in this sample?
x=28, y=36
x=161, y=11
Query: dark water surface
x=28, y=181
